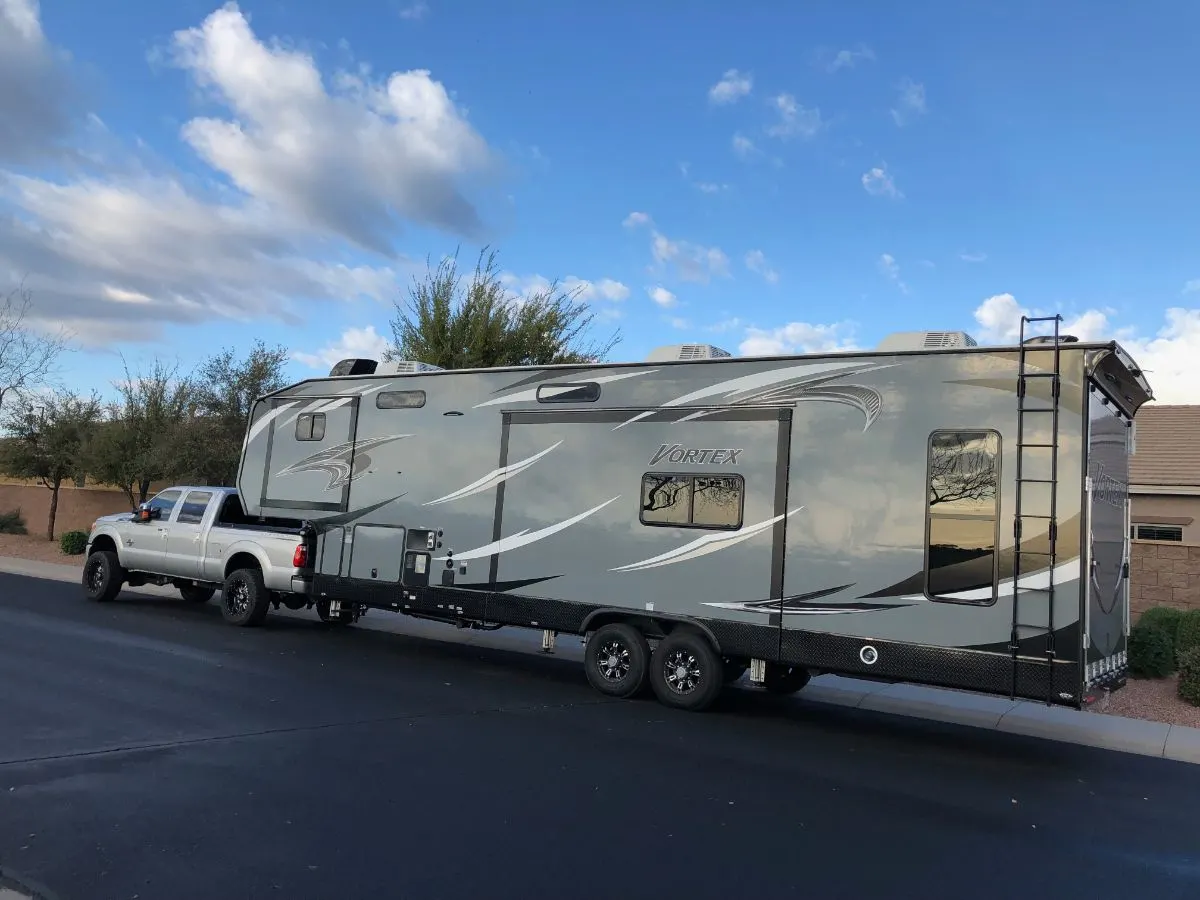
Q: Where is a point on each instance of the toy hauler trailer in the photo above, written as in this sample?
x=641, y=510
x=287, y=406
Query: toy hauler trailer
x=932, y=511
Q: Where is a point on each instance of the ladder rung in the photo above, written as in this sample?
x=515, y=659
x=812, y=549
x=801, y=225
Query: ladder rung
x=1033, y=516
x=1043, y=446
x=1054, y=318
x=1038, y=410
x=1039, y=374
x=1037, y=481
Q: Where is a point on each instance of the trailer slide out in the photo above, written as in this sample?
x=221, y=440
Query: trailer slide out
x=931, y=511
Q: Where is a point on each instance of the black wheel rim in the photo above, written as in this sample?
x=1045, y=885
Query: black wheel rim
x=682, y=672
x=238, y=598
x=95, y=575
x=614, y=660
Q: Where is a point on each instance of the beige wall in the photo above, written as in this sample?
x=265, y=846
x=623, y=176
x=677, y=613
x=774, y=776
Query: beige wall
x=1163, y=574
x=1168, y=510
x=77, y=507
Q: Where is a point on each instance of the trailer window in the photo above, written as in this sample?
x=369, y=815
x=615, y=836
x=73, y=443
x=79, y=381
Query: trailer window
x=399, y=399
x=692, y=501
x=310, y=427
x=569, y=392
x=962, y=516
x=194, y=505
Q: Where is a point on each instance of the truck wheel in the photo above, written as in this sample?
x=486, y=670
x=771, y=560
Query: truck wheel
x=344, y=617
x=785, y=679
x=196, y=593
x=617, y=660
x=685, y=671
x=245, y=600
x=103, y=576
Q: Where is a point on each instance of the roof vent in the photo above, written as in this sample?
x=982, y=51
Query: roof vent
x=353, y=367
x=405, y=367
x=672, y=352
x=925, y=340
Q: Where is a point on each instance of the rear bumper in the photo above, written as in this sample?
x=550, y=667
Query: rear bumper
x=301, y=584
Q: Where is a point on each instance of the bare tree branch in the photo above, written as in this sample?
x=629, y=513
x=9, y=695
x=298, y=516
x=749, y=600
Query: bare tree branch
x=27, y=358
x=961, y=469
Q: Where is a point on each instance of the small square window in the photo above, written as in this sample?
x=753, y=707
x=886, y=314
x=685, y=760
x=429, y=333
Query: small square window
x=400, y=400
x=310, y=427
x=692, y=501
x=569, y=392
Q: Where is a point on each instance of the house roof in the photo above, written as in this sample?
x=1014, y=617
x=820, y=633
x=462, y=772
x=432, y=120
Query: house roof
x=1167, y=451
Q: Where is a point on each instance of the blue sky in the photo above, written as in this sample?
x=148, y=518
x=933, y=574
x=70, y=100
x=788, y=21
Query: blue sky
x=768, y=177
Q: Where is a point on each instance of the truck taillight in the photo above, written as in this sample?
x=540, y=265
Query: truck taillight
x=300, y=557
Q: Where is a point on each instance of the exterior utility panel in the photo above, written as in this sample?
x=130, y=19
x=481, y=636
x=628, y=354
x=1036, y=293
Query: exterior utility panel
x=850, y=513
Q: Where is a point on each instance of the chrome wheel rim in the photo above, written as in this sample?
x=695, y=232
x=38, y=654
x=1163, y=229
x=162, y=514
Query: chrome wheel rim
x=614, y=660
x=239, y=598
x=682, y=672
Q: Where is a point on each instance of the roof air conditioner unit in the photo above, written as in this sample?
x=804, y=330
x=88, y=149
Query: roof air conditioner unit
x=353, y=367
x=674, y=352
x=405, y=367
x=925, y=340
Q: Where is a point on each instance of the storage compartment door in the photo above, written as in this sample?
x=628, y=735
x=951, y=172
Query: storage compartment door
x=376, y=553
x=310, y=455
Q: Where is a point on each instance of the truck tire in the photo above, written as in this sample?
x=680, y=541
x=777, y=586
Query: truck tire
x=344, y=617
x=785, y=679
x=617, y=660
x=685, y=671
x=245, y=600
x=103, y=576
x=196, y=593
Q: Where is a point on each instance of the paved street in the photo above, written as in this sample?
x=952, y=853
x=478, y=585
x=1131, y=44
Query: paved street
x=148, y=750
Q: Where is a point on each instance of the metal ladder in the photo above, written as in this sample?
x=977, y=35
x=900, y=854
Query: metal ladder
x=1024, y=377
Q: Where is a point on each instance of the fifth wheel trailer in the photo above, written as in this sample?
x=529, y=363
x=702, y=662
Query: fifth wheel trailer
x=932, y=511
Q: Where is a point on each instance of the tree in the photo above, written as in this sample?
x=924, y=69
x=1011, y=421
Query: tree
x=27, y=357
x=50, y=442
x=482, y=326
x=223, y=391
x=143, y=439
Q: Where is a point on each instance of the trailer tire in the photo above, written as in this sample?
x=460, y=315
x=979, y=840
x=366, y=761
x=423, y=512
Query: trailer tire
x=344, y=617
x=782, y=679
x=103, y=576
x=685, y=671
x=617, y=660
x=196, y=593
x=245, y=599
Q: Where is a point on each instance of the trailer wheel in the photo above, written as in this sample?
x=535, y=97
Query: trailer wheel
x=785, y=679
x=245, y=600
x=103, y=576
x=617, y=660
x=344, y=617
x=685, y=671
x=196, y=593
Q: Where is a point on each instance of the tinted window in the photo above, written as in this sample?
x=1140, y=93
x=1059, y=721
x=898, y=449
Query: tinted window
x=962, y=514
x=400, y=399
x=194, y=505
x=566, y=392
x=1159, y=533
x=310, y=427
x=165, y=502
x=692, y=501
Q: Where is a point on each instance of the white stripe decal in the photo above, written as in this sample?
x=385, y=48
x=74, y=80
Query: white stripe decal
x=492, y=478
x=703, y=546
x=531, y=394
x=525, y=536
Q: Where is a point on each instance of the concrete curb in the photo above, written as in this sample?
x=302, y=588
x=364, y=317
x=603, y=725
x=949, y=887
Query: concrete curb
x=1140, y=736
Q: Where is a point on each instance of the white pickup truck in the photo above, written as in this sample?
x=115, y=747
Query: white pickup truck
x=200, y=540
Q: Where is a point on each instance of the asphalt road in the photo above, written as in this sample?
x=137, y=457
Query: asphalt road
x=148, y=750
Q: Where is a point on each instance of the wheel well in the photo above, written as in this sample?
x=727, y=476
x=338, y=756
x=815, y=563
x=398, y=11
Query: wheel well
x=104, y=542
x=652, y=625
x=241, y=561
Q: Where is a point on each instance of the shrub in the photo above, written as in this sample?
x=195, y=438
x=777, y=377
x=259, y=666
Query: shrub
x=12, y=522
x=1189, y=676
x=1165, y=617
x=1151, y=651
x=72, y=543
x=1187, y=634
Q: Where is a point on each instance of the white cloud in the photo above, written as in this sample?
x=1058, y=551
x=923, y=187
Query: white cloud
x=798, y=337
x=354, y=343
x=733, y=86
x=973, y=257
x=756, y=261
x=521, y=287
x=910, y=102
x=415, y=11
x=37, y=98
x=890, y=268
x=744, y=148
x=662, y=296
x=846, y=59
x=680, y=324
x=692, y=262
x=1192, y=286
x=1167, y=358
x=710, y=187
x=637, y=219
x=794, y=119
x=309, y=171
x=878, y=183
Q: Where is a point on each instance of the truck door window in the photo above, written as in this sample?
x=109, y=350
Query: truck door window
x=310, y=426
x=164, y=503
x=194, y=506
x=962, y=522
